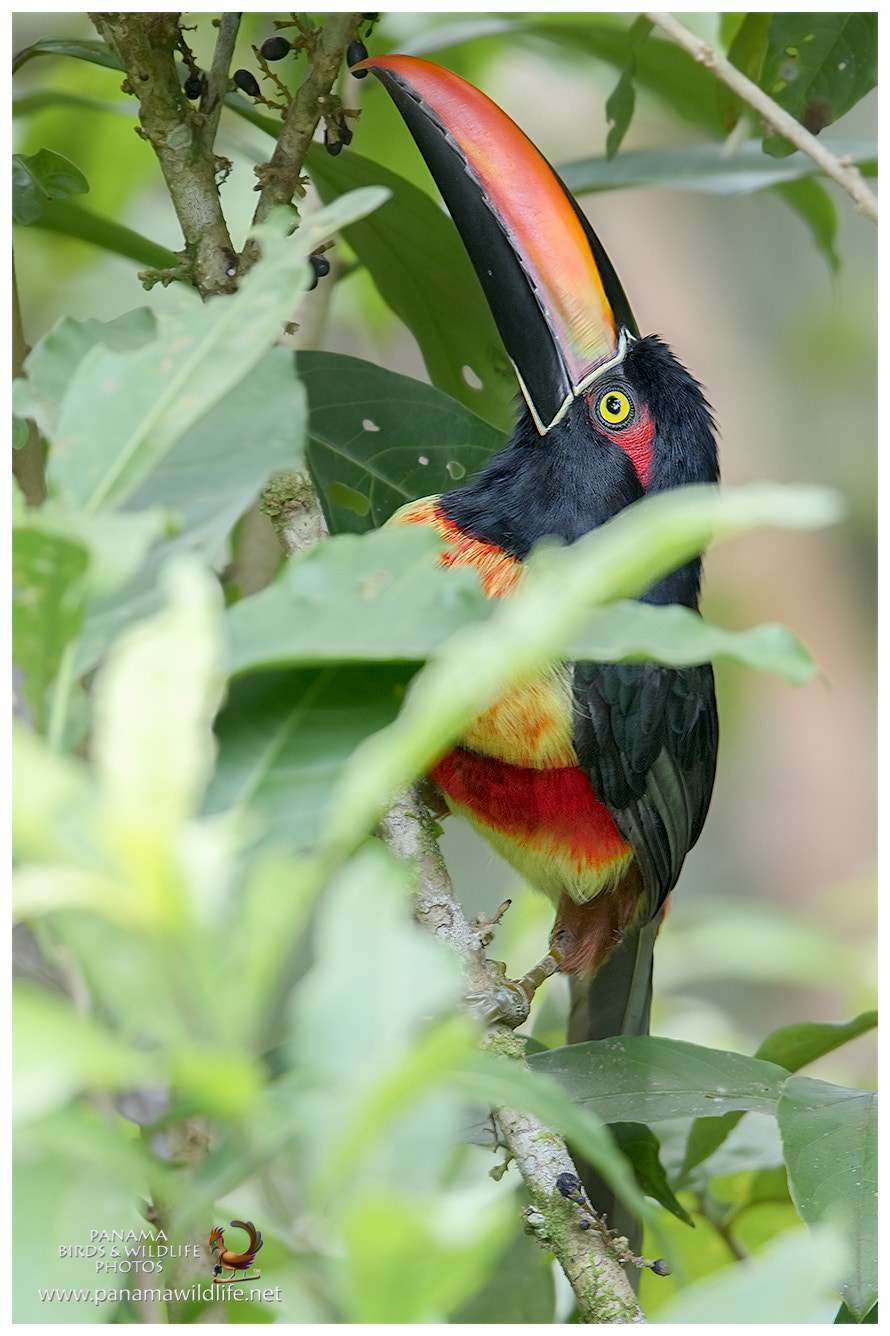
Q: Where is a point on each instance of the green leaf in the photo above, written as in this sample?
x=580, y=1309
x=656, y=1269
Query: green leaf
x=561, y=590
x=402, y=1266
x=791, y=1280
x=818, y=66
x=631, y=1079
x=675, y=635
x=47, y=609
x=520, y=1289
x=376, y=597
x=793, y=1046
x=829, y=1134
x=811, y=202
x=59, y=1053
x=284, y=738
x=387, y=438
x=412, y=251
x=746, y=51
x=53, y=361
x=621, y=101
x=152, y=746
x=123, y=412
x=65, y=219
x=382, y=597
x=89, y=49
x=207, y=481
x=703, y=168
x=40, y=177
x=662, y=68
x=640, y=1144
x=75, y=1161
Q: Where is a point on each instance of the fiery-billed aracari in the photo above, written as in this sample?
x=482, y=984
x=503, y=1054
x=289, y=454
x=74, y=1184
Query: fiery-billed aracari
x=594, y=780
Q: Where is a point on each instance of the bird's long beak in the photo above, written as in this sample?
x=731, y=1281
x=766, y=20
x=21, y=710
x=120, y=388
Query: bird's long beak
x=555, y=297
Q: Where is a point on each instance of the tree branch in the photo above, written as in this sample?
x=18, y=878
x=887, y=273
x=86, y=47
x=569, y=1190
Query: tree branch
x=218, y=78
x=602, y=1291
x=280, y=178
x=848, y=178
x=144, y=45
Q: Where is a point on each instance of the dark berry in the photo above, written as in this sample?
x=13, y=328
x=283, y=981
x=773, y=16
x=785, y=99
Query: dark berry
x=355, y=52
x=320, y=267
x=246, y=82
x=275, y=48
x=332, y=141
x=193, y=86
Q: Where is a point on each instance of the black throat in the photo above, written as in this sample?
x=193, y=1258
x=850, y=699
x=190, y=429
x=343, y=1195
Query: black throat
x=575, y=478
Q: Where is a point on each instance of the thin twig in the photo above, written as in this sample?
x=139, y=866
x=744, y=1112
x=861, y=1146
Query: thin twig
x=848, y=178
x=218, y=77
x=280, y=178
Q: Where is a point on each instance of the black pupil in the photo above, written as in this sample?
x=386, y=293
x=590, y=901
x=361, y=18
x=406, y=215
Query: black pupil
x=614, y=405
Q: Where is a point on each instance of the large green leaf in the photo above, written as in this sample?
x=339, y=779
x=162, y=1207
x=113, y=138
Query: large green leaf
x=378, y=439
x=206, y=482
x=123, y=412
x=562, y=590
x=382, y=597
x=284, y=737
x=375, y=597
x=643, y=1079
x=818, y=65
x=412, y=251
x=792, y=1047
x=53, y=361
x=829, y=1135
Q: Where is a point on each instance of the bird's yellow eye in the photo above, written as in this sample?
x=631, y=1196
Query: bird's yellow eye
x=614, y=408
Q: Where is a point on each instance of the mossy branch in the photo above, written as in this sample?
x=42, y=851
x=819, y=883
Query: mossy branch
x=145, y=45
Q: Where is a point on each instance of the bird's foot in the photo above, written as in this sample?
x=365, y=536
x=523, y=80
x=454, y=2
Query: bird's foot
x=508, y=1001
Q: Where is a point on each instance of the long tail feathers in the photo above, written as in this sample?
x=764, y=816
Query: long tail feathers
x=615, y=1001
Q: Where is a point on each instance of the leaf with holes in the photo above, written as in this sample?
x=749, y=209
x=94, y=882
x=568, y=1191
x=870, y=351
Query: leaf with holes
x=412, y=251
x=378, y=440
x=817, y=66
